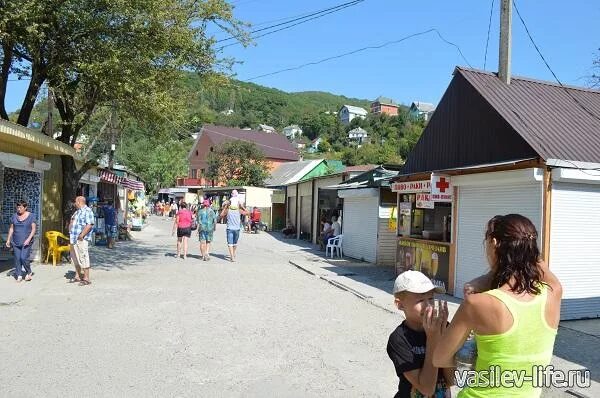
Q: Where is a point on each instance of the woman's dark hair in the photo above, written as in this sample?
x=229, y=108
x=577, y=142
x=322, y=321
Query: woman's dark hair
x=183, y=205
x=516, y=253
x=22, y=203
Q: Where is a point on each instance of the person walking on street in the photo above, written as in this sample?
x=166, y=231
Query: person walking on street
x=207, y=223
x=183, y=224
x=82, y=223
x=110, y=224
x=20, y=235
x=234, y=221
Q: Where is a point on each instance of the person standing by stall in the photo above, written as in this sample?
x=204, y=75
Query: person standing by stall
x=110, y=223
x=20, y=236
x=515, y=323
x=183, y=225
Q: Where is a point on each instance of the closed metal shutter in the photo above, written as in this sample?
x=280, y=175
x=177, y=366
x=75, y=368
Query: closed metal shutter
x=360, y=228
x=291, y=210
x=574, y=254
x=476, y=205
x=305, y=214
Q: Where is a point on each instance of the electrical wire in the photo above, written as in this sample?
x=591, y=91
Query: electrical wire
x=360, y=50
x=298, y=18
x=488, y=36
x=351, y=4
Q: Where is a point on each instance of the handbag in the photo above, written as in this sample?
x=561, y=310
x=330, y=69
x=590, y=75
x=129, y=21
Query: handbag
x=194, y=225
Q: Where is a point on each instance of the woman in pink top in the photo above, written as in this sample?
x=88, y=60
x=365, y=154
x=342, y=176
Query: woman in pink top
x=183, y=224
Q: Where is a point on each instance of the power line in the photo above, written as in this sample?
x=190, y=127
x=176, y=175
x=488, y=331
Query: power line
x=294, y=19
x=295, y=24
x=363, y=49
x=550, y=69
x=488, y=35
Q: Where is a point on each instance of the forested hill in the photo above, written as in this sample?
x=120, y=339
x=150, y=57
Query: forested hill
x=253, y=104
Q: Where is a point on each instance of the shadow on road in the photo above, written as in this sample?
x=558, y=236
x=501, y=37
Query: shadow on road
x=125, y=254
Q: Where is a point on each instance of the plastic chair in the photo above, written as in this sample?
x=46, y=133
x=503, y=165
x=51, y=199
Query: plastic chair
x=335, y=244
x=54, y=248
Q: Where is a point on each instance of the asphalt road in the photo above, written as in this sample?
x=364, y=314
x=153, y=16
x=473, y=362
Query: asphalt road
x=151, y=325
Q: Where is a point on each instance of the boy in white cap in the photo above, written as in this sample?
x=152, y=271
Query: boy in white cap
x=411, y=345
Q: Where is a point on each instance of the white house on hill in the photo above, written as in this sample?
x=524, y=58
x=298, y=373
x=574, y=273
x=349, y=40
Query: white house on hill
x=349, y=112
x=292, y=131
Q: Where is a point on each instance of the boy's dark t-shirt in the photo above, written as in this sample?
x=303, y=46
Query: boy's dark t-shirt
x=406, y=349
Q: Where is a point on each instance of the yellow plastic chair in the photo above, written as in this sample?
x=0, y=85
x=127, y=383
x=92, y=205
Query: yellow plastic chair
x=54, y=248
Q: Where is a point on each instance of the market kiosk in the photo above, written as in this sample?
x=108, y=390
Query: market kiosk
x=424, y=228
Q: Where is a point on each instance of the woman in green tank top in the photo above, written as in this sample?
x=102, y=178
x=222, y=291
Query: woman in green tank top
x=514, y=318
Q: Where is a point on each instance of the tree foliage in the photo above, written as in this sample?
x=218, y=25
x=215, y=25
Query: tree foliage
x=237, y=163
x=124, y=53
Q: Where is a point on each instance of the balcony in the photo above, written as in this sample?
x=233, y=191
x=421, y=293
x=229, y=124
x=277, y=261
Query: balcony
x=191, y=182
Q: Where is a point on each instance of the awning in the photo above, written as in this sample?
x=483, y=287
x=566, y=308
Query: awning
x=132, y=184
x=107, y=176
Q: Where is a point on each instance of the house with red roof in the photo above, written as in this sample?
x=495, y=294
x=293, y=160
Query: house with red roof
x=276, y=148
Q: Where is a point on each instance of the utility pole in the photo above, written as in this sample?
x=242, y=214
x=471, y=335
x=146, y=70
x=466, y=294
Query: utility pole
x=113, y=136
x=504, y=58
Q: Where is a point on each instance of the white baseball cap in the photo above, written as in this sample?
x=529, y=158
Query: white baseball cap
x=415, y=282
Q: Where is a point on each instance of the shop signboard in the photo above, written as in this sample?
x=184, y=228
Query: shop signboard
x=424, y=201
x=411, y=186
x=431, y=258
x=441, y=188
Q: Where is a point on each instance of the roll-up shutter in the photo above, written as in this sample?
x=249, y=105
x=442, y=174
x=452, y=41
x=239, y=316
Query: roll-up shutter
x=476, y=205
x=360, y=228
x=574, y=254
x=305, y=214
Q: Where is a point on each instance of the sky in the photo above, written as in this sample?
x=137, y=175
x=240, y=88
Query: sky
x=417, y=69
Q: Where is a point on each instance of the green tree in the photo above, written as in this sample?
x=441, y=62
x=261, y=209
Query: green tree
x=128, y=54
x=237, y=163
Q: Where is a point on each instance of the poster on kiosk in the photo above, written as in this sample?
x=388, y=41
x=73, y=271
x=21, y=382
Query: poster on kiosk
x=415, y=252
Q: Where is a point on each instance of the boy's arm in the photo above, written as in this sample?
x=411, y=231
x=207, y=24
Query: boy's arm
x=425, y=379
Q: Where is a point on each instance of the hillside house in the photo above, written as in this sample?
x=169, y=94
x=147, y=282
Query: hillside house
x=314, y=145
x=349, y=112
x=421, y=110
x=293, y=131
x=358, y=136
x=266, y=128
x=276, y=148
x=383, y=105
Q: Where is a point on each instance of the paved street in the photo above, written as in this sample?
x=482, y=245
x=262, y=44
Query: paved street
x=153, y=325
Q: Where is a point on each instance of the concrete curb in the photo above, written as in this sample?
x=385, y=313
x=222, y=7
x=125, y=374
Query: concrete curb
x=363, y=296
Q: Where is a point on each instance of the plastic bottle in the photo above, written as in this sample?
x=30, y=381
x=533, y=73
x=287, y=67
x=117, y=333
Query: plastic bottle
x=466, y=357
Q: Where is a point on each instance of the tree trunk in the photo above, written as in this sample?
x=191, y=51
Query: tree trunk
x=4, y=73
x=37, y=78
x=69, y=187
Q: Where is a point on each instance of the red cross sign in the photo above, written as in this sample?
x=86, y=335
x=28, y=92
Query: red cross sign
x=442, y=184
x=441, y=188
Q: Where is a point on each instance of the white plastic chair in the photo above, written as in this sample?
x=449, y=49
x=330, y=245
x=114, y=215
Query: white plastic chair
x=335, y=244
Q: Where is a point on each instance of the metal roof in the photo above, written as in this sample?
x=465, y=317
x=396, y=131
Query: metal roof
x=288, y=173
x=423, y=106
x=356, y=109
x=558, y=122
x=273, y=145
x=385, y=101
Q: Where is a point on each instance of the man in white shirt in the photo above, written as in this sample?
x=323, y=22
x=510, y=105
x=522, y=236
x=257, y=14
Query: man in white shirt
x=335, y=225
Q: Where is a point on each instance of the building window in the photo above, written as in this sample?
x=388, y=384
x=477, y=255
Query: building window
x=201, y=171
x=194, y=173
x=212, y=149
x=196, y=153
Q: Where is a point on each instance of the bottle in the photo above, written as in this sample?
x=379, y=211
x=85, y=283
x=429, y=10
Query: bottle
x=466, y=357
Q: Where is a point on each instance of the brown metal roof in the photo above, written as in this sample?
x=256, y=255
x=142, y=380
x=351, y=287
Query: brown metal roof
x=273, y=145
x=558, y=122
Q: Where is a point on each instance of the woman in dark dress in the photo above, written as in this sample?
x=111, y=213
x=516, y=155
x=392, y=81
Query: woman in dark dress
x=20, y=235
